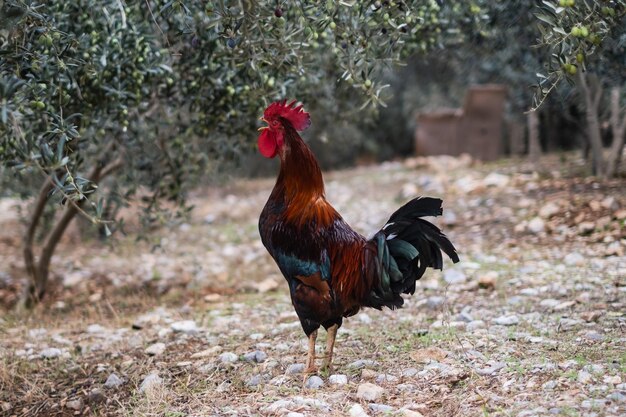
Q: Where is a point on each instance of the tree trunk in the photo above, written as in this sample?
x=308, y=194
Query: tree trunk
x=37, y=282
x=534, y=145
x=39, y=271
x=591, y=96
x=618, y=126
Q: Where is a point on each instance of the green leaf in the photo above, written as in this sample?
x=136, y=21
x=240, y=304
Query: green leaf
x=547, y=19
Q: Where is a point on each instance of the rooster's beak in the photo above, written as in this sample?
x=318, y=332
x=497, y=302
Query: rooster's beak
x=263, y=127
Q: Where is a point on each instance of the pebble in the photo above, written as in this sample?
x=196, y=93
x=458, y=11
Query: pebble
x=550, y=385
x=294, y=414
x=491, y=368
x=612, y=379
x=361, y=363
x=96, y=329
x=155, y=349
x=380, y=408
x=364, y=318
x=228, y=357
x=574, y=258
x=6, y=407
x=593, y=403
x=594, y=336
x=434, y=302
x=51, y=353
x=186, y=327
x=113, y=381
x=454, y=276
x=369, y=392
x=338, y=379
x=410, y=372
x=584, y=377
x=549, y=303
x=295, y=368
x=76, y=404
x=506, y=320
x=617, y=397
x=474, y=325
x=257, y=356
x=386, y=378
x=314, y=382
x=150, y=382
x=255, y=381
x=536, y=225
x=96, y=396
x=548, y=210
x=357, y=411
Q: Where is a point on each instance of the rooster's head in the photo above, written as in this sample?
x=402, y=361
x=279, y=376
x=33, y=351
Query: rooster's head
x=278, y=116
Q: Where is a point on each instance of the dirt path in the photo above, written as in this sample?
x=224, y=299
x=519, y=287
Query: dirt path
x=196, y=321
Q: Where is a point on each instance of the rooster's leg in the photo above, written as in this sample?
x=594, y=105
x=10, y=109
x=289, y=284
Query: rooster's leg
x=310, y=360
x=330, y=344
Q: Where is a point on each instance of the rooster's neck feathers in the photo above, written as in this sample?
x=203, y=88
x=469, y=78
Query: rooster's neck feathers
x=300, y=184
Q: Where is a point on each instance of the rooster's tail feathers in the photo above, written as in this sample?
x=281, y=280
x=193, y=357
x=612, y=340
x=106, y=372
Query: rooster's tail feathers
x=405, y=247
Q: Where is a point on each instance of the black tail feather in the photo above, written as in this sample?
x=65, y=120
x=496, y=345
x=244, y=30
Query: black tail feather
x=414, y=244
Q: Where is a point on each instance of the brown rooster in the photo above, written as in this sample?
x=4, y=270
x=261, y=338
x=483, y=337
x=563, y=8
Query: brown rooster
x=333, y=271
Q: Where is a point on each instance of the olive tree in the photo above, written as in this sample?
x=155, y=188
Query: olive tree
x=586, y=41
x=104, y=99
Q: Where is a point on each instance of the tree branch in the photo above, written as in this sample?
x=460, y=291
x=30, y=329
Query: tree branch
x=29, y=237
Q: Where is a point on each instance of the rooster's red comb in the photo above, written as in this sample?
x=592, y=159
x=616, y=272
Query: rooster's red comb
x=296, y=115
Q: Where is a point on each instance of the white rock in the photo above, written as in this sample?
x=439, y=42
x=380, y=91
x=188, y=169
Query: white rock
x=550, y=385
x=369, y=392
x=294, y=414
x=584, y=377
x=609, y=203
x=257, y=356
x=593, y=403
x=574, y=258
x=51, y=353
x=95, y=329
x=338, y=379
x=453, y=276
x=506, y=320
x=548, y=210
x=612, y=379
x=113, y=381
x=150, y=382
x=314, y=382
x=155, y=349
x=364, y=318
x=357, y=411
x=362, y=363
x=268, y=284
x=295, y=368
x=76, y=404
x=256, y=380
x=228, y=357
x=496, y=180
x=536, y=225
x=381, y=408
x=493, y=368
x=475, y=324
x=185, y=326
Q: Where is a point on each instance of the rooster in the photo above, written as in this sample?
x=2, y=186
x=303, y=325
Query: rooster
x=333, y=271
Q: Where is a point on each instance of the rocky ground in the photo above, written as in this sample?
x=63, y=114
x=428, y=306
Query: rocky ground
x=196, y=321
